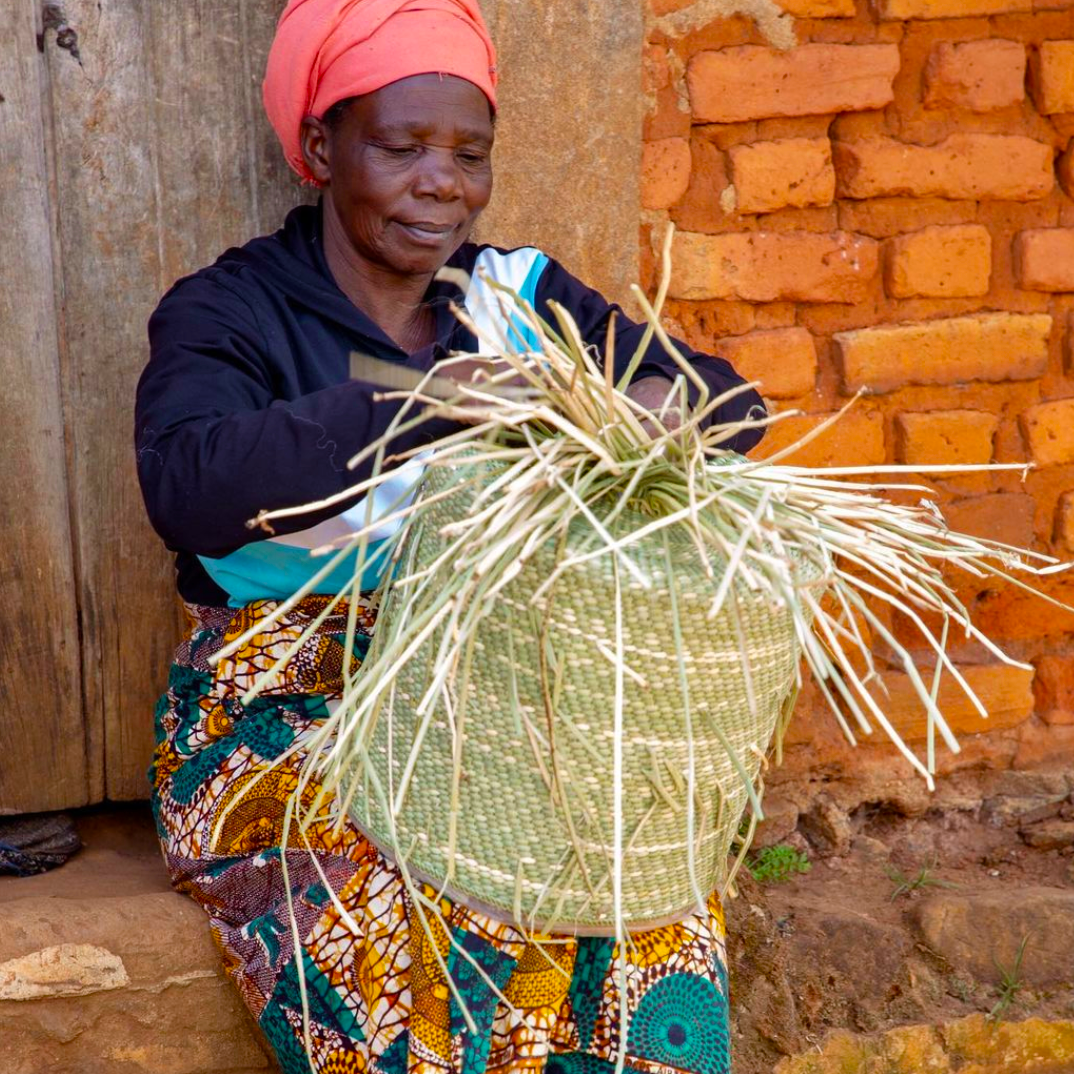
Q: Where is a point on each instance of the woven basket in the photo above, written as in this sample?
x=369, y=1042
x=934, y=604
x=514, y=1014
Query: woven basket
x=523, y=852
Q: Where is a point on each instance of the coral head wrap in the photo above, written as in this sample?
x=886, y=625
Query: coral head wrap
x=327, y=50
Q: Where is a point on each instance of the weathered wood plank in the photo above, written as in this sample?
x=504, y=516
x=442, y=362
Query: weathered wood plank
x=568, y=134
x=154, y=182
x=109, y=231
x=276, y=189
x=44, y=761
x=195, y=63
x=163, y=159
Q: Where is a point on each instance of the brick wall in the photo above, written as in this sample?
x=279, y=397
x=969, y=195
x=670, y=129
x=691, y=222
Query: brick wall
x=888, y=206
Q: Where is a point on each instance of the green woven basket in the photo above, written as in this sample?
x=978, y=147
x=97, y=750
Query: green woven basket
x=525, y=847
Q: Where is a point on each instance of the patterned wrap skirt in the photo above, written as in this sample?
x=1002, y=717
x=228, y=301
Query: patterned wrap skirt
x=378, y=991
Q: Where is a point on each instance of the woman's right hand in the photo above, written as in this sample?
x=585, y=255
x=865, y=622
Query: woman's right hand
x=478, y=373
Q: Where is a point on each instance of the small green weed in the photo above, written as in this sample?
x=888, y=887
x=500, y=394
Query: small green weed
x=960, y=987
x=1010, y=983
x=904, y=884
x=773, y=865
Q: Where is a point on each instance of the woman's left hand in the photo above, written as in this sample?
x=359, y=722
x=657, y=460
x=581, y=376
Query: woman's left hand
x=652, y=393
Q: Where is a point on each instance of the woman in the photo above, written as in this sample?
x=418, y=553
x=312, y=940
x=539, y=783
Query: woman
x=245, y=405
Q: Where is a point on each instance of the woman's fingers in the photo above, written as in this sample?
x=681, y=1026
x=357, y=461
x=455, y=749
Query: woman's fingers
x=652, y=393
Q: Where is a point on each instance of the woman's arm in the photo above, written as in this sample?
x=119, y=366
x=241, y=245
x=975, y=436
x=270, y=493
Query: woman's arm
x=592, y=311
x=214, y=444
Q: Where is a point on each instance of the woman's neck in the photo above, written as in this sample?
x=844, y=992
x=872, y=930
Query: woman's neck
x=394, y=302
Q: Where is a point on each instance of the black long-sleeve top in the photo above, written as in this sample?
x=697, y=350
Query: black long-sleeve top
x=246, y=403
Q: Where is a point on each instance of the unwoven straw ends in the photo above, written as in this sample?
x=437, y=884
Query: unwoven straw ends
x=547, y=538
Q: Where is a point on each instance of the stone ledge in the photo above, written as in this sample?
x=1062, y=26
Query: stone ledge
x=103, y=968
x=953, y=925
x=969, y=1046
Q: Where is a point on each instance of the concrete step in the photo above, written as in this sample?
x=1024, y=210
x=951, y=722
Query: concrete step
x=105, y=970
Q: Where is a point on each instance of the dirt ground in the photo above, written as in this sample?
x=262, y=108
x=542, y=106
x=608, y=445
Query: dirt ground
x=837, y=948
x=830, y=949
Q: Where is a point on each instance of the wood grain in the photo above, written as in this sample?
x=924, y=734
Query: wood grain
x=154, y=181
x=161, y=159
x=275, y=188
x=45, y=750
x=109, y=230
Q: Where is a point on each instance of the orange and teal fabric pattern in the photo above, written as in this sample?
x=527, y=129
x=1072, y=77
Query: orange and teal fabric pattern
x=384, y=997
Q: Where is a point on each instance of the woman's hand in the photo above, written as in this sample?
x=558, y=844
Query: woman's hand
x=649, y=392
x=478, y=373
x=472, y=370
x=652, y=393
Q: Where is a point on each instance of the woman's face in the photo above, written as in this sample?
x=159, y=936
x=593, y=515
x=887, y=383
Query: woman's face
x=407, y=169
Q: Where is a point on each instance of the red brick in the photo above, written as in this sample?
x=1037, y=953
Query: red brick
x=776, y=315
x=815, y=218
x=939, y=262
x=1044, y=259
x=1004, y=611
x=977, y=75
x=856, y=439
x=961, y=166
x=881, y=217
x=1064, y=527
x=1046, y=484
x=784, y=360
x=1053, y=686
x=950, y=437
x=781, y=127
x=667, y=7
x=874, y=771
x=1057, y=717
x=703, y=323
x=1048, y=429
x=1065, y=169
x=667, y=117
x=726, y=135
x=665, y=172
x=1041, y=742
x=1005, y=692
x=702, y=209
x=1000, y=516
x=765, y=267
x=1041, y=26
x=989, y=347
x=792, y=172
x=753, y=82
x=1052, y=77
x=655, y=69
x=949, y=9
x=818, y=9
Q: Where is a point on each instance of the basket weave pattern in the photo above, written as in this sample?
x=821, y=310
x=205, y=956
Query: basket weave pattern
x=532, y=839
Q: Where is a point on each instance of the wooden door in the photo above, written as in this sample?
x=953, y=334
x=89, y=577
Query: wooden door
x=48, y=758
x=162, y=162
x=133, y=150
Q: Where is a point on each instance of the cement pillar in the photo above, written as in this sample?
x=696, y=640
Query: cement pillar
x=568, y=140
